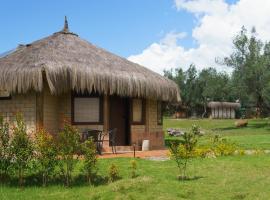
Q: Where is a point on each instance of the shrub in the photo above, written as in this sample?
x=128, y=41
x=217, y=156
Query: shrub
x=113, y=173
x=241, y=152
x=183, y=153
x=204, y=152
x=4, y=149
x=90, y=159
x=21, y=148
x=259, y=152
x=223, y=147
x=46, y=154
x=68, y=143
x=133, y=168
x=171, y=140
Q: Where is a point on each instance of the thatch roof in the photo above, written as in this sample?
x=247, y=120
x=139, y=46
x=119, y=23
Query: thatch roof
x=68, y=62
x=219, y=104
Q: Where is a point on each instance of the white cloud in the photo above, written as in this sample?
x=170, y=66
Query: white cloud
x=202, y=6
x=218, y=23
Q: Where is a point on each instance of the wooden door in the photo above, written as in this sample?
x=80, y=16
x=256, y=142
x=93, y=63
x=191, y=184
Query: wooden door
x=119, y=119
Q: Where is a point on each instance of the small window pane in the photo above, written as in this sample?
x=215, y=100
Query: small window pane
x=137, y=110
x=86, y=109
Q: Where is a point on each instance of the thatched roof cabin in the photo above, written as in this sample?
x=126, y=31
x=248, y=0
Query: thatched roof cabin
x=64, y=76
x=223, y=109
x=218, y=104
x=70, y=62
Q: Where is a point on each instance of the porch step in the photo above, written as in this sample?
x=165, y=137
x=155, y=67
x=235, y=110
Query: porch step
x=122, y=149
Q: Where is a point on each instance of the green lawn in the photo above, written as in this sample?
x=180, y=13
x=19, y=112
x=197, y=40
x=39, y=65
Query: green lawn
x=238, y=177
x=232, y=177
x=255, y=136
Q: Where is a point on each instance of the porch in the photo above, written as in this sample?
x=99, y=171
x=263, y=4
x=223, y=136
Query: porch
x=135, y=119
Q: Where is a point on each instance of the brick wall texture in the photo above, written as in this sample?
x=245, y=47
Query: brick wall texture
x=56, y=109
x=25, y=104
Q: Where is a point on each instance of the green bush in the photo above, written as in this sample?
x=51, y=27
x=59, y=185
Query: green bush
x=133, y=168
x=21, y=148
x=5, y=158
x=113, y=173
x=68, y=143
x=217, y=146
x=46, y=154
x=223, y=147
x=171, y=140
x=90, y=159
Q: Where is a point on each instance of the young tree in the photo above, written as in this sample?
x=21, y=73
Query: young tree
x=21, y=147
x=46, y=154
x=184, y=152
x=68, y=144
x=4, y=149
x=90, y=159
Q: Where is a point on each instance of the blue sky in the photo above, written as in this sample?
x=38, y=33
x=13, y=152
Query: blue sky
x=159, y=34
x=124, y=27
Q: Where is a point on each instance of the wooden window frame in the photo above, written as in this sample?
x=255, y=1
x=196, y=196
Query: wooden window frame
x=142, y=122
x=161, y=112
x=6, y=97
x=86, y=95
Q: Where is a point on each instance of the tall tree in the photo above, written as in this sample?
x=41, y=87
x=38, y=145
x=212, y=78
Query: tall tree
x=251, y=63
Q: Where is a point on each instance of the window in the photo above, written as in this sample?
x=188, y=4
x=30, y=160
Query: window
x=159, y=113
x=4, y=95
x=87, y=109
x=138, y=111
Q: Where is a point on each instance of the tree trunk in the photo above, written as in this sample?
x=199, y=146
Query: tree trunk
x=20, y=177
x=205, y=110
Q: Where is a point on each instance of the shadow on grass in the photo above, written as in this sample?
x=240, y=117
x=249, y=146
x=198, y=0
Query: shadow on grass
x=36, y=181
x=264, y=125
x=260, y=125
x=227, y=129
x=187, y=178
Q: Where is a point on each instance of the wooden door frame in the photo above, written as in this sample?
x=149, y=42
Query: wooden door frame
x=127, y=122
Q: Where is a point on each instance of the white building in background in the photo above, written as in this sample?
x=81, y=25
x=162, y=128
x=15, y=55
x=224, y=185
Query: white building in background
x=223, y=110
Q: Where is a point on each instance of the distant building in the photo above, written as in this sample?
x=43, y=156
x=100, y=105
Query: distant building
x=223, y=110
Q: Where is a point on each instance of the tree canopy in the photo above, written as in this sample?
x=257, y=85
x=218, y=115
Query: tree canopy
x=249, y=81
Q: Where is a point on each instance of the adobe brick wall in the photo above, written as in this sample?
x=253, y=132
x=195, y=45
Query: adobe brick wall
x=151, y=130
x=26, y=104
x=50, y=112
x=56, y=109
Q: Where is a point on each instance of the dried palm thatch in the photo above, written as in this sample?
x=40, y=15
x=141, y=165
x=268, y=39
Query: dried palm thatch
x=68, y=62
x=218, y=104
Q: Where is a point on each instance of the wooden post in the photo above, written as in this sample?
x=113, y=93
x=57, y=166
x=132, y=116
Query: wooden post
x=147, y=116
x=106, y=113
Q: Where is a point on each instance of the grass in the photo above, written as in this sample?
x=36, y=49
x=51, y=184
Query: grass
x=232, y=177
x=255, y=136
x=238, y=177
